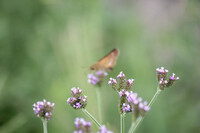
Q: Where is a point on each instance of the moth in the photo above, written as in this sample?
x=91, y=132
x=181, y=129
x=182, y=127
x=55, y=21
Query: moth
x=107, y=62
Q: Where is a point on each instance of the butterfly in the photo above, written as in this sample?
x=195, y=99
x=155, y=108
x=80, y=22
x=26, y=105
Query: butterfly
x=107, y=62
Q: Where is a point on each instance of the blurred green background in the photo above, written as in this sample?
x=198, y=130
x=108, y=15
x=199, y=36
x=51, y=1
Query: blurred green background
x=47, y=47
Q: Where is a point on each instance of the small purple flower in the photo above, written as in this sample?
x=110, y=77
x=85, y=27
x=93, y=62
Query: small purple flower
x=78, y=105
x=126, y=107
x=133, y=99
x=113, y=83
x=161, y=73
x=93, y=79
x=78, y=100
x=162, y=83
x=76, y=92
x=172, y=79
x=129, y=84
x=101, y=73
x=82, y=126
x=97, y=78
x=143, y=107
x=123, y=93
x=103, y=129
x=121, y=76
x=43, y=109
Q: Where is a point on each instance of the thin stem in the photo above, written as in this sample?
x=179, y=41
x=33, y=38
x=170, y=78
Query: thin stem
x=122, y=123
x=132, y=126
x=140, y=119
x=154, y=97
x=91, y=117
x=44, y=125
x=99, y=103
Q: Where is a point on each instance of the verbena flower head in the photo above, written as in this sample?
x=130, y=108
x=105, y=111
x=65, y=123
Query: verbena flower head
x=122, y=83
x=43, y=109
x=162, y=78
x=82, y=126
x=78, y=100
x=126, y=108
x=143, y=108
x=162, y=83
x=122, y=80
x=113, y=83
x=103, y=129
x=133, y=99
x=97, y=78
x=161, y=73
x=172, y=79
x=129, y=84
x=138, y=107
x=123, y=93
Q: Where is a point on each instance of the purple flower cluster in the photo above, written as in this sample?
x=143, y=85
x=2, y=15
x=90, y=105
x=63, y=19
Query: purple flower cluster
x=43, y=109
x=138, y=107
x=78, y=100
x=129, y=101
x=162, y=75
x=82, y=126
x=123, y=84
x=97, y=78
x=103, y=129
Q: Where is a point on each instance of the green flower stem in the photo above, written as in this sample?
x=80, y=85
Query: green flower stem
x=140, y=119
x=91, y=117
x=132, y=126
x=99, y=103
x=122, y=123
x=154, y=97
x=44, y=125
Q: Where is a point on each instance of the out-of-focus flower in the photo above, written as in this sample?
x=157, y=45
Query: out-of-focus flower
x=103, y=129
x=82, y=126
x=143, y=108
x=43, y=109
x=93, y=79
x=97, y=78
x=133, y=99
x=78, y=101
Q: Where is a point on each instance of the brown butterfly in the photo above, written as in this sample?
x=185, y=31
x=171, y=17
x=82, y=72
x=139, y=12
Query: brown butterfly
x=107, y=62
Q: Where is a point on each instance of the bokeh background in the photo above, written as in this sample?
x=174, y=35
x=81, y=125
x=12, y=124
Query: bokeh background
x=47, y=47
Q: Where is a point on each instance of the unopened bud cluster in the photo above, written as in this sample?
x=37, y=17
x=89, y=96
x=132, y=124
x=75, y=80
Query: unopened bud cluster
x=82, y=126
x=129, y=101
x=121, y=82
x=43, y=109
x=97, y=78
x=78, y=100
x=162, y=75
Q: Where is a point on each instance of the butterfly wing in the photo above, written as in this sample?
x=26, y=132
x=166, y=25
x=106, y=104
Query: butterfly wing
x=107, y=62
